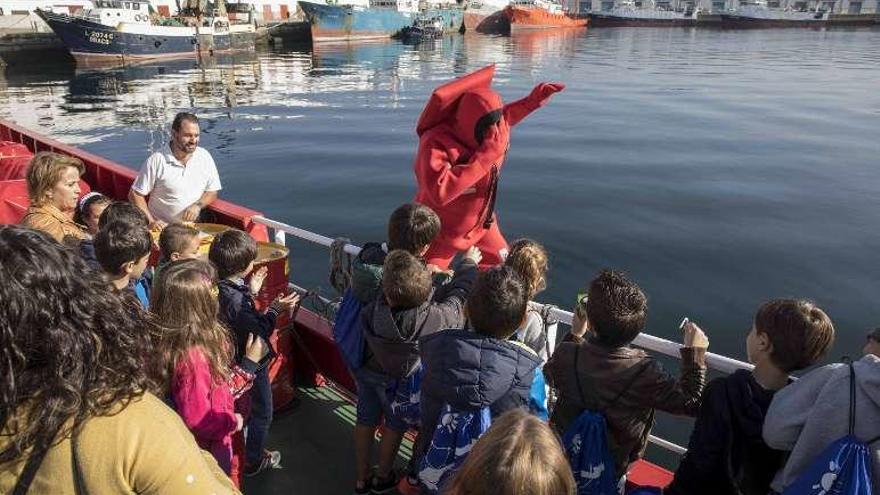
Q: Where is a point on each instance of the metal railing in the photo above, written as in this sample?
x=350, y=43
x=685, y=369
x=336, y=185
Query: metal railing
x=645, y=341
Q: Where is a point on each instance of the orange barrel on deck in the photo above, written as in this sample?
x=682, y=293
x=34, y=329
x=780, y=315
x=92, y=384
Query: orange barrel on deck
x=275, y=258
x=14, y=160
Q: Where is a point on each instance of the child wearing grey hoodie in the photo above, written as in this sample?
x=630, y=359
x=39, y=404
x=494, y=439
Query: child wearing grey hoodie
x=811, y=413
x=404, y=310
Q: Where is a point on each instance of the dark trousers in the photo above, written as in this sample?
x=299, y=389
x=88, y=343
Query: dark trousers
x=261, y=417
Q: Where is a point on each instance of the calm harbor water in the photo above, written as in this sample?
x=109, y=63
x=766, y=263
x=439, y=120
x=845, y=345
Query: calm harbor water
x=718, y=168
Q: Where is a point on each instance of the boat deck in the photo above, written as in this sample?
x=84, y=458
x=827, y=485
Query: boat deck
x=316, y=445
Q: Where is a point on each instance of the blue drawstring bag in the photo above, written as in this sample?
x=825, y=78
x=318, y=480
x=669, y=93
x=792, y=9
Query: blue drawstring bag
x=844, y=467
x=538, y=396
x=348, y=331
x=586, y=447
x=455, y=435
x=586, y=441
x=406, y=398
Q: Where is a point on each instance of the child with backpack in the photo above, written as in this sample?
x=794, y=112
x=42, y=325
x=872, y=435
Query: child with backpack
x=194, y=358
x=472, y=376
x=726, y=453
x=601, y=379
x=393, y=323
x=411, y=228
x=233, y=253
x=520, y=454
x=829, y=416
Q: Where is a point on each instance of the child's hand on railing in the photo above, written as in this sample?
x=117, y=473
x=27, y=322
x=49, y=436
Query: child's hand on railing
x=693, y=336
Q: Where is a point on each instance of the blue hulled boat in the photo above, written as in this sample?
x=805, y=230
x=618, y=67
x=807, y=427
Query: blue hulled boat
x=380, y=20
x=119, y=32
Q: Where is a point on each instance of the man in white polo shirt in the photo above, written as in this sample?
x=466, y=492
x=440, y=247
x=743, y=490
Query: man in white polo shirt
x=181, y=179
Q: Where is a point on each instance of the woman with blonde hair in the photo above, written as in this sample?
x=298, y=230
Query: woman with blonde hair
x=195, y=356
x=529, y=260
x=53, y=189
x=519, y=455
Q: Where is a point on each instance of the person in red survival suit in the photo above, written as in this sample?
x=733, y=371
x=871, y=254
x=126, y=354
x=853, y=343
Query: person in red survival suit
x=464, y=133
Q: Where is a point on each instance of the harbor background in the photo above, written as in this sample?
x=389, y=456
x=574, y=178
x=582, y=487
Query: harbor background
x=718, y=168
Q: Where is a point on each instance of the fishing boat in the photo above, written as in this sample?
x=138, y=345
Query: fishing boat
x=540, y=14
x=381, y=19
x=757, y=14
x=315, y=436
x=118, y=32
x=486, y=17
x=631, y=14
x=423, y=28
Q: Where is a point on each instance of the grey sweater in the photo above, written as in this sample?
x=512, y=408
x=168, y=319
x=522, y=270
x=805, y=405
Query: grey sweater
x=806, y=416
x=532, y=334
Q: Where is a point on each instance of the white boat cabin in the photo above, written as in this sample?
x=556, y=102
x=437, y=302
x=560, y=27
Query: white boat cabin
x=114, y=12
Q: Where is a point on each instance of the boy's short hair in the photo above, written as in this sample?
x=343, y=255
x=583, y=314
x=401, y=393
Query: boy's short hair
x=406, y=281
x=412, y=227
x=123, y=211
x=232, y=251
x=617, y=309
x=175, y=238
x=800, y=332
x=118, y=243
x=498, y=302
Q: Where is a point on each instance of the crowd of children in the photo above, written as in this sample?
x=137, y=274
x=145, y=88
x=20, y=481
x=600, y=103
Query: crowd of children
x=451, y=352
x=475, y=345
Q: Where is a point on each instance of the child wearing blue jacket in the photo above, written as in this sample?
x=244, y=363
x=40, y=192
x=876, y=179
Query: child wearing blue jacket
x=233, y=253
x=479, y=367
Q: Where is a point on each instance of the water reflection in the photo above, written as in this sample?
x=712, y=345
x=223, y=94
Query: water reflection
x=73, y=101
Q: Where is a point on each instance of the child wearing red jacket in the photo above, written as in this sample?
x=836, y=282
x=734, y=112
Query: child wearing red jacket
x=196, y=357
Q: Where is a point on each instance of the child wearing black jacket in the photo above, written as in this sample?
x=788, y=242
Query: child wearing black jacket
x=727, y=454
x=233, y=252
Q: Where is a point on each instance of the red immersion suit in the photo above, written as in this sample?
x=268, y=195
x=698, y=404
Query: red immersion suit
x=464, y=133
